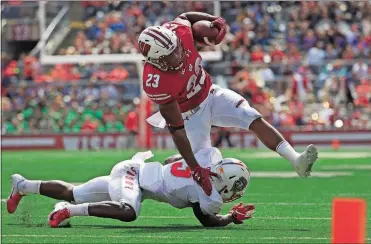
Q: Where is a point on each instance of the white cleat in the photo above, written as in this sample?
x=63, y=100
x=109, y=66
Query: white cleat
x=304, y=163
x=16, y=195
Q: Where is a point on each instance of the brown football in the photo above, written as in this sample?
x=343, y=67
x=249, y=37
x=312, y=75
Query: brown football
x=203, y=33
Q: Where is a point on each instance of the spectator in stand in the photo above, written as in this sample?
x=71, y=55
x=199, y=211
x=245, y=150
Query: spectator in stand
x=363, y=91
x=257, y=55
x=100, y=74
x=316, y=57
x=360, y=70
x=331, y=52
x=118, y=74
x=131, y=125
x=89, y=124
x=309, y=40
x=301, y=86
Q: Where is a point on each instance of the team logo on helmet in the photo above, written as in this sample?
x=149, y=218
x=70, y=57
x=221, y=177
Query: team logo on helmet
x=144, y=48
x=239, y=184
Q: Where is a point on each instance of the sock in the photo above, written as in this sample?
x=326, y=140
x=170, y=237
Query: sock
x=287, y=151
x=79, y=209
x=29, y=186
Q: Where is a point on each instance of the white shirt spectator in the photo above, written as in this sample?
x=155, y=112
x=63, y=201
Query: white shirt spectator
x=316, y=56
x=360, y=70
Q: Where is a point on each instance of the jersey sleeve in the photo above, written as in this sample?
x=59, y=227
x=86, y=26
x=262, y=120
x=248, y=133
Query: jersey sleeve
x=157, y=85
x=181, y=29
x=210, y=204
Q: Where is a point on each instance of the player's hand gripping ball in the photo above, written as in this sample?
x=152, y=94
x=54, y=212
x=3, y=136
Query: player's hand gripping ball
x=205, y=33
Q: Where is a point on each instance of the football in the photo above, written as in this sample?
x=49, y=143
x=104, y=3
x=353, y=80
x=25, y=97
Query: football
x=203, y=33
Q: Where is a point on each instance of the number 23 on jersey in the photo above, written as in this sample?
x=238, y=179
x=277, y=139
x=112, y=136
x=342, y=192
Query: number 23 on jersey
x=152, y=80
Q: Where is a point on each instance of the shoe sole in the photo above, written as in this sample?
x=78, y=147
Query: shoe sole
x=312, y=156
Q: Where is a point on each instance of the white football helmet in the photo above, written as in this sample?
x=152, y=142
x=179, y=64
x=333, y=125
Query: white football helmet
x=161, y=47
x=233, y=178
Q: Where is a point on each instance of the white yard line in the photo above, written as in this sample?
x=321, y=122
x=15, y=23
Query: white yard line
x=346, y=166
x=172, y=237
x=276, y=203
x=291, y=174
x=340, y=155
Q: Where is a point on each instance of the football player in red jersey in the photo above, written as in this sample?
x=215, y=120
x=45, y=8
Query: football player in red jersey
x=190, y=104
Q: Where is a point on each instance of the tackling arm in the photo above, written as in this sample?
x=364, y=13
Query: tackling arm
x=236, y=215
x=213, y=220
x=172, y=115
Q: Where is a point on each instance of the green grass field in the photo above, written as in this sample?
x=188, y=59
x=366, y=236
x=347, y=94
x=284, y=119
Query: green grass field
x=288, y=209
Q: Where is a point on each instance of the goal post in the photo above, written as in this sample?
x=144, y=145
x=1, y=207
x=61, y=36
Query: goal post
x=144, y=108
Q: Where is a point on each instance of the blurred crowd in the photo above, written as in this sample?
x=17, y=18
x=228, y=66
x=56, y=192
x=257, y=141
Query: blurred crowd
x=298, y=63
x=66, y=108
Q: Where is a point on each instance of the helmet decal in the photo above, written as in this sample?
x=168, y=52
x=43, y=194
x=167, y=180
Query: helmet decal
x=144, y=48
x=161, y=38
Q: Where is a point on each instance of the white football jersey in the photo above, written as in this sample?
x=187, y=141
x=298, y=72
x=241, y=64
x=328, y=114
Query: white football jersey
x=173, y=183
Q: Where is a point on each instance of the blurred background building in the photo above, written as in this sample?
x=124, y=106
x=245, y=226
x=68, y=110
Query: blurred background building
x=74, y=67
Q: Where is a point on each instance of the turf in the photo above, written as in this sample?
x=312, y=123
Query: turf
x=288, y=210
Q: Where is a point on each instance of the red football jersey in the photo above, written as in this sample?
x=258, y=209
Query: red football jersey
x=189, y=85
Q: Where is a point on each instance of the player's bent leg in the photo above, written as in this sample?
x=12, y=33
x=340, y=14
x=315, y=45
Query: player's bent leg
x=109, y=209
x=124, y=187
x=113, y=210
x=230, y=109
x=59, y=190
x=272, y=139
x=95, y=190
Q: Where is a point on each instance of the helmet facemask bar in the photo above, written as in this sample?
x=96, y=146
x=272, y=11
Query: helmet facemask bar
x=236, y=189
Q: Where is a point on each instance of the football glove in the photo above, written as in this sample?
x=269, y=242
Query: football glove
x=221, y=25
x=202, y=177
x=241, y=212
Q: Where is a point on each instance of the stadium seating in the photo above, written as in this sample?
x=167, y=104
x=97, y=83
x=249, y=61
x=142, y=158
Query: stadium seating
x=279, y=57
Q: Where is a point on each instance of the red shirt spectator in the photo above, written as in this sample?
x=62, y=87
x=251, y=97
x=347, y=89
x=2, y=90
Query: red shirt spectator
x=257, y=55
x=11, y=69
x=131, y=122
x=100, y=74
x=88, y=125
x=28, y=66
x=277, y=55
x=118, y=74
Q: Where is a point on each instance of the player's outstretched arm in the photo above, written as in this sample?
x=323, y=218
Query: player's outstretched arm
x=236, y=215
x=175, y=123
x=211, y=220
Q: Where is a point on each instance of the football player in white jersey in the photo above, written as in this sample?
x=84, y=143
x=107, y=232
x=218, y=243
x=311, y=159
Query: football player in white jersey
x=119, y=195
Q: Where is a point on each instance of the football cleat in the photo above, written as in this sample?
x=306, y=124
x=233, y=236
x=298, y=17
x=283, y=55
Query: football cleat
x=304, y=163
x=59, y=216
x=15, y=196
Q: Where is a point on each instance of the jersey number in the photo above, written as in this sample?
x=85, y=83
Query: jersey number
x=192, y=88
x=171, y=26
x=179, y=169
x=152, y=80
